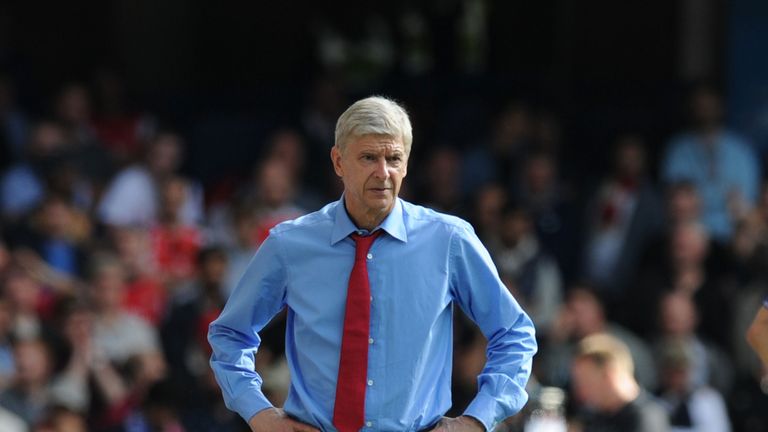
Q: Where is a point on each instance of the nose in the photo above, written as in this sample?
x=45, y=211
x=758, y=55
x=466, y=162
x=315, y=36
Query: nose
x=381, y=171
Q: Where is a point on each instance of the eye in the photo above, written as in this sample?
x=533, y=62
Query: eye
x=368, y=157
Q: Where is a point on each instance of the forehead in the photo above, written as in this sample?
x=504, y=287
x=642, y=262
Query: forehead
x=376, y=143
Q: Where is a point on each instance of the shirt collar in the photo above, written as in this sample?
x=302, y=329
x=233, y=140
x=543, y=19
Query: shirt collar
x=393, y=224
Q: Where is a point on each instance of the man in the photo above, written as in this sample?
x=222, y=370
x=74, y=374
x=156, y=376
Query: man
x=721, y=164
x=409, y=265
x=605, y=388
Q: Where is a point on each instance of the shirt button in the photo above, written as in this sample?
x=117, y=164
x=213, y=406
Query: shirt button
x=369, y=256
x=370, y=341
x=369, y=424
x=370, y=382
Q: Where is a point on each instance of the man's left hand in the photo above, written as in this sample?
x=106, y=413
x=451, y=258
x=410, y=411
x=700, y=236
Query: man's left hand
x=459, y=424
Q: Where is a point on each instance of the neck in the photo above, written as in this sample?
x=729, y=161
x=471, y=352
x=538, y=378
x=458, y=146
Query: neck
x=367, y=220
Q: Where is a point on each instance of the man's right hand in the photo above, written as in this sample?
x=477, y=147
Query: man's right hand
x=275, y=420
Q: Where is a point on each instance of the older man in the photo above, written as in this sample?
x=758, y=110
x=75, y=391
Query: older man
x=369, y=282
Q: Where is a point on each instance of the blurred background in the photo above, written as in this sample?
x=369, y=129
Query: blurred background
x=609, y=154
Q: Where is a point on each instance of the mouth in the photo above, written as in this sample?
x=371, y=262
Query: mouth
x=380, y=190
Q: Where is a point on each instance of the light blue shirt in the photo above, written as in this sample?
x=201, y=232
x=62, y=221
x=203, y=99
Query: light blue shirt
x=730, y=167
x=424, y=264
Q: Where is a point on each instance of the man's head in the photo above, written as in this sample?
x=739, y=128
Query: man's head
x=373, y=141
x=602, y=373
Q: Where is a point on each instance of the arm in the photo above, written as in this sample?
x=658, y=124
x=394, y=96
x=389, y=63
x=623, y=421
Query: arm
x=258, y=297
x=511, y=343
x=757, y=334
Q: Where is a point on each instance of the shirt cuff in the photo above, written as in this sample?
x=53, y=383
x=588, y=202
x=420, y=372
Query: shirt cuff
x=248, y=405
x=483, y=408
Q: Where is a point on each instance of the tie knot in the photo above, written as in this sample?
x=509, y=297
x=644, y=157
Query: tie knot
x=363, y=243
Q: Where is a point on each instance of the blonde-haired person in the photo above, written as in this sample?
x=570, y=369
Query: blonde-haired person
x=610, y=399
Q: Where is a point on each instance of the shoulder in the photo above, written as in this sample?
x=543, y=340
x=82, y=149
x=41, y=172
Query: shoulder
x=737, y=143
x=416, y=216
x=310, y=222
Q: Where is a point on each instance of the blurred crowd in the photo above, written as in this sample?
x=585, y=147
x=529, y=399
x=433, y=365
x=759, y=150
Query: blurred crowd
x=114, y=260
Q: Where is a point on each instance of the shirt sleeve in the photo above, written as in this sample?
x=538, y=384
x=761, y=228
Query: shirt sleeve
x=482, y=295
x=233, y=336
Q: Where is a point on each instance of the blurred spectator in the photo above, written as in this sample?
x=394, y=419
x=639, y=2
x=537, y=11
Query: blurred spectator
x=51, y=243
x=88, y=382
x=287, y=146
x=607, y=393
x=72, y=109
x=678, y=319
x=133, y=195
x=583, y=315
x=13, y=123
x=724, y=168
x=26, y=300
x=23, y=185
x=691, y=407
x=441, y=189
x=190, y=380
x=687, y=264
x=29, y=395
x=241, y=252
x=120, y=129
x=553, y=209
x=120, y=336
x=529, y=271
x=489, y=203
x=623, y=215
x=174, y=242
x=273, y=197
x=502, y=155
x=192, y=307
x=145, y=294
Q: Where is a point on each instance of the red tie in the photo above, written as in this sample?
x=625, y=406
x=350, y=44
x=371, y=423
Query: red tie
x=349, y=408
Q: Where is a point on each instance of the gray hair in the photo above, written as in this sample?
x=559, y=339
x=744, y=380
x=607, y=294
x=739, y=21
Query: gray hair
x=374, y=115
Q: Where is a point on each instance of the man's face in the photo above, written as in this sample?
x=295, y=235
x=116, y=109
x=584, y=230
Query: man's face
x=372, y=168
x=588, y=381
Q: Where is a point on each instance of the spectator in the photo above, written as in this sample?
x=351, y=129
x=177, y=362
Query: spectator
x=623, y=215
x=23, y=184
x=709, y=365
x=120, y=336
x=29, y=395
x=688, y=264
x=13, y=123
x=174, y=243
x=89, y=382
x=52, y=243
x=133, y=195
x=691, y=407
x=552, y=208
x=503, y=153
x=527, y=269
x=583, y=315
x=605, y=389
x=721, y=164
x=489, y=202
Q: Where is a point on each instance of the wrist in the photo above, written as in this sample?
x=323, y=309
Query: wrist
x=475, y=423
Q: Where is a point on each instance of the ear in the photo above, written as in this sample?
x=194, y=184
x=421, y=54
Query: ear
x=336, y=160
